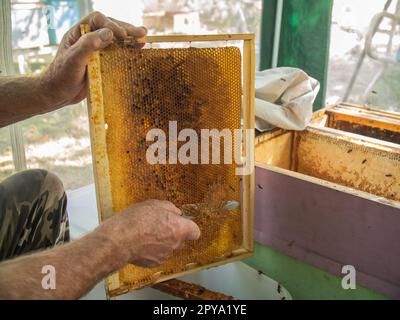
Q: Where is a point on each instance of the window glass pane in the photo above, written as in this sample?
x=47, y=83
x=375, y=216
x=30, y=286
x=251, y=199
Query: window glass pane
x=58, y=141
x=6, y=161
x=188, y=16
x=377, y=82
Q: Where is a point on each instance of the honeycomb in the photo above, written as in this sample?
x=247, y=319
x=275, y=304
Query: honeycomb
x=199, y=88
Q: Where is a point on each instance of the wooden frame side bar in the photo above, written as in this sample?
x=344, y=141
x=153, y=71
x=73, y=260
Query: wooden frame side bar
x=248, y=115
x=195, y=38
x=98, y=136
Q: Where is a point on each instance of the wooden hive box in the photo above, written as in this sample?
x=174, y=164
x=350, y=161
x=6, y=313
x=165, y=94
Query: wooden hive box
x=199, y=82
x=330, y=195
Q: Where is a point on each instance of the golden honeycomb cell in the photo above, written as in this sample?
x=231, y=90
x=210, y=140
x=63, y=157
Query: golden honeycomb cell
x=135, y=90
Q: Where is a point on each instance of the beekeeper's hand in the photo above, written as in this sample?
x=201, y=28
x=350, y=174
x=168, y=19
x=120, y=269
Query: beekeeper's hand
x=144, y=234
x=64, y=80
x=147, y=233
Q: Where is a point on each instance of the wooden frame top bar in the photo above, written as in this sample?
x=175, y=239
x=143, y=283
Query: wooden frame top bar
x=183, y=37
x=195, y=38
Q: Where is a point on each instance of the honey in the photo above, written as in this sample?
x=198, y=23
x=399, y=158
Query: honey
x=133, y=91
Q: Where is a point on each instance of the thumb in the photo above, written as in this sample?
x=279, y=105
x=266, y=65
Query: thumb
x=88, y=43
x=191, y=230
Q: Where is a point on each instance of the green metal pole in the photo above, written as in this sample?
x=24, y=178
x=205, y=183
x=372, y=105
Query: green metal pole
x=267, y=33
x=304, y=39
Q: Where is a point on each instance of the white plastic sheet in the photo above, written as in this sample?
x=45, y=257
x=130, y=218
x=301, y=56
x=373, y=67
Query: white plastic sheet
x=284, y=98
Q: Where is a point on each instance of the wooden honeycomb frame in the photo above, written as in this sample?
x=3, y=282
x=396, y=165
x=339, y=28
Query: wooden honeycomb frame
x=101, y=165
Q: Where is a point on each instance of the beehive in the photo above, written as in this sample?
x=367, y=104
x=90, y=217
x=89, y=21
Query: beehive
x=378, y=124
x=135, y=90
x=364, y=157
x=329, y=196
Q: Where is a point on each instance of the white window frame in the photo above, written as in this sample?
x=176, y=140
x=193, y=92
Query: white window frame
x=6, y=67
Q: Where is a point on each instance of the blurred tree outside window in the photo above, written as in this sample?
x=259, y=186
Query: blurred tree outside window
x=377, y=84
x=58, y=141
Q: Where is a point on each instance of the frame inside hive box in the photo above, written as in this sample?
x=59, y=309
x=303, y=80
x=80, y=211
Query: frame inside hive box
x=200, y=82
x=378, y=124
x=343, y=147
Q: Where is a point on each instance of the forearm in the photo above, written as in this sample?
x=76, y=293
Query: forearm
x=23, y=97
x=79, y=266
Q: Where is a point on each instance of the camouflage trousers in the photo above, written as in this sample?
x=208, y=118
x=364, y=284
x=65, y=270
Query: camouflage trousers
x=33, y=213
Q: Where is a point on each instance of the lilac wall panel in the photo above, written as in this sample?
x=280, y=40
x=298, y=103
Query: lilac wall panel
x=329, y=228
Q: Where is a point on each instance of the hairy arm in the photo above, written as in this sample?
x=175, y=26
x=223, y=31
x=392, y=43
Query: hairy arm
x=78, y=267
x=21, y=98
x=144, y=234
